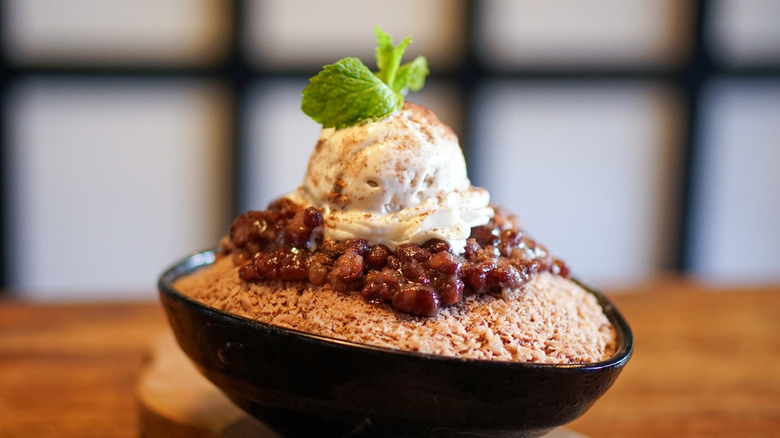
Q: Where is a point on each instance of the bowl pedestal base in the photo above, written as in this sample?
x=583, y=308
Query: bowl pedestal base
x=175, y=400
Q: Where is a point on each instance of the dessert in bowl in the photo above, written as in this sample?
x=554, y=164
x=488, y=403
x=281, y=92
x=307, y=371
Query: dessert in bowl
x=303, y=384
x=386, y=296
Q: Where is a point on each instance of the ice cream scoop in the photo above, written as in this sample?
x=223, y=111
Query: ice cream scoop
x=398, y=180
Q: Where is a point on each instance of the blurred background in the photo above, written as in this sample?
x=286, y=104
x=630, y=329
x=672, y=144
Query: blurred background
x=634, y=138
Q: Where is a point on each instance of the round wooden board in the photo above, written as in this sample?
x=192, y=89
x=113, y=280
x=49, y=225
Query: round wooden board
x=176, y=401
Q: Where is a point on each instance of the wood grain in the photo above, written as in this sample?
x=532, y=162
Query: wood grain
x=69, y=370
x=175, y=400
x=706, y=363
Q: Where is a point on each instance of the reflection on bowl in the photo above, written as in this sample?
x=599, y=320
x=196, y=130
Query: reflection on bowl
x=307, y=385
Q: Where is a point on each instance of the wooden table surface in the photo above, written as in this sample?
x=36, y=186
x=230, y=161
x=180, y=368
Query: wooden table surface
x=706, y=364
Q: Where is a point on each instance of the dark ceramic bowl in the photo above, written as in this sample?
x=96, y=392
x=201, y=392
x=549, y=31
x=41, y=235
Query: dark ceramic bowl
x=307, y=385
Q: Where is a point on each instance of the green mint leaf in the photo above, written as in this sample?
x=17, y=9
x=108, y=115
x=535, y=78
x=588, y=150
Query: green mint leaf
x=347, y=93
x=384, y=52
x=388, y=58
x=411, y=76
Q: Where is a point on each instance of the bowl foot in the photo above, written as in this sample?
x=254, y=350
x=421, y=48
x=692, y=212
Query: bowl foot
x=299, y=425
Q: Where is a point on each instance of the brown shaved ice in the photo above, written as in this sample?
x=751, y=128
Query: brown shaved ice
x=549, y=320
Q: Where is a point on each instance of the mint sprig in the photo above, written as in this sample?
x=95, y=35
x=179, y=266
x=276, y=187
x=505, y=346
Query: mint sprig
x=347, y=93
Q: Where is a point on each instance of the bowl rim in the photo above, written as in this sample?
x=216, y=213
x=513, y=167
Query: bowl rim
x=202, y=259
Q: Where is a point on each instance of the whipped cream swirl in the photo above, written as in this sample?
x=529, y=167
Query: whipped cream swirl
x=398, y=180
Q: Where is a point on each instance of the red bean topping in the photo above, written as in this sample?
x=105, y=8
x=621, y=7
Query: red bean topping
x=248, y=272
x=505, y=277
x=293, y=266
x=410, y=252
x=415, y=272
x=475, y=276
x=381, y=285
x=485, y=235
x=296, y=233
x=472, y=248
x=374, y=291
x=444, y=262
x=450, y=292
x=275, y=244
x=393, y=263
x=436, y=246
x=560, y=268
x=312, y=217
x=318, y=274
x=348, y=267
x=510, y=240
x=357, y=246
x=377, y=256
x=338, y=284
x=417, y=299
x=265, y=266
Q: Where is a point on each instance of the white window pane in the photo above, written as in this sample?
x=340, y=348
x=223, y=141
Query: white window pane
x=745, y=32
x=597, y=33
x=161, y=32
x=112, y=183
x=736, y=234
x=281, y=137
x=306, y=34
x=586, y=167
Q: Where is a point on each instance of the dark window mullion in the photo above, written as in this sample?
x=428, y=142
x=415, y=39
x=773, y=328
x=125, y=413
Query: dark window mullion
x=237, y=77
x=471, y=73
x=5, y=182
x=698, y=71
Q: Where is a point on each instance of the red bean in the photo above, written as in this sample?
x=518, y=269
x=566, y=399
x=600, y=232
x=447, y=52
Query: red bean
x=485, y=235
x=292, y=266
x=348, y=267
x=248, y=272
x=436, y=246
x=312, y=217
x=472, y=248
x=450, y=292
x=274, y=244
x=409, y=252
x=417, y=299
x=444, y=262
x=377, y=256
